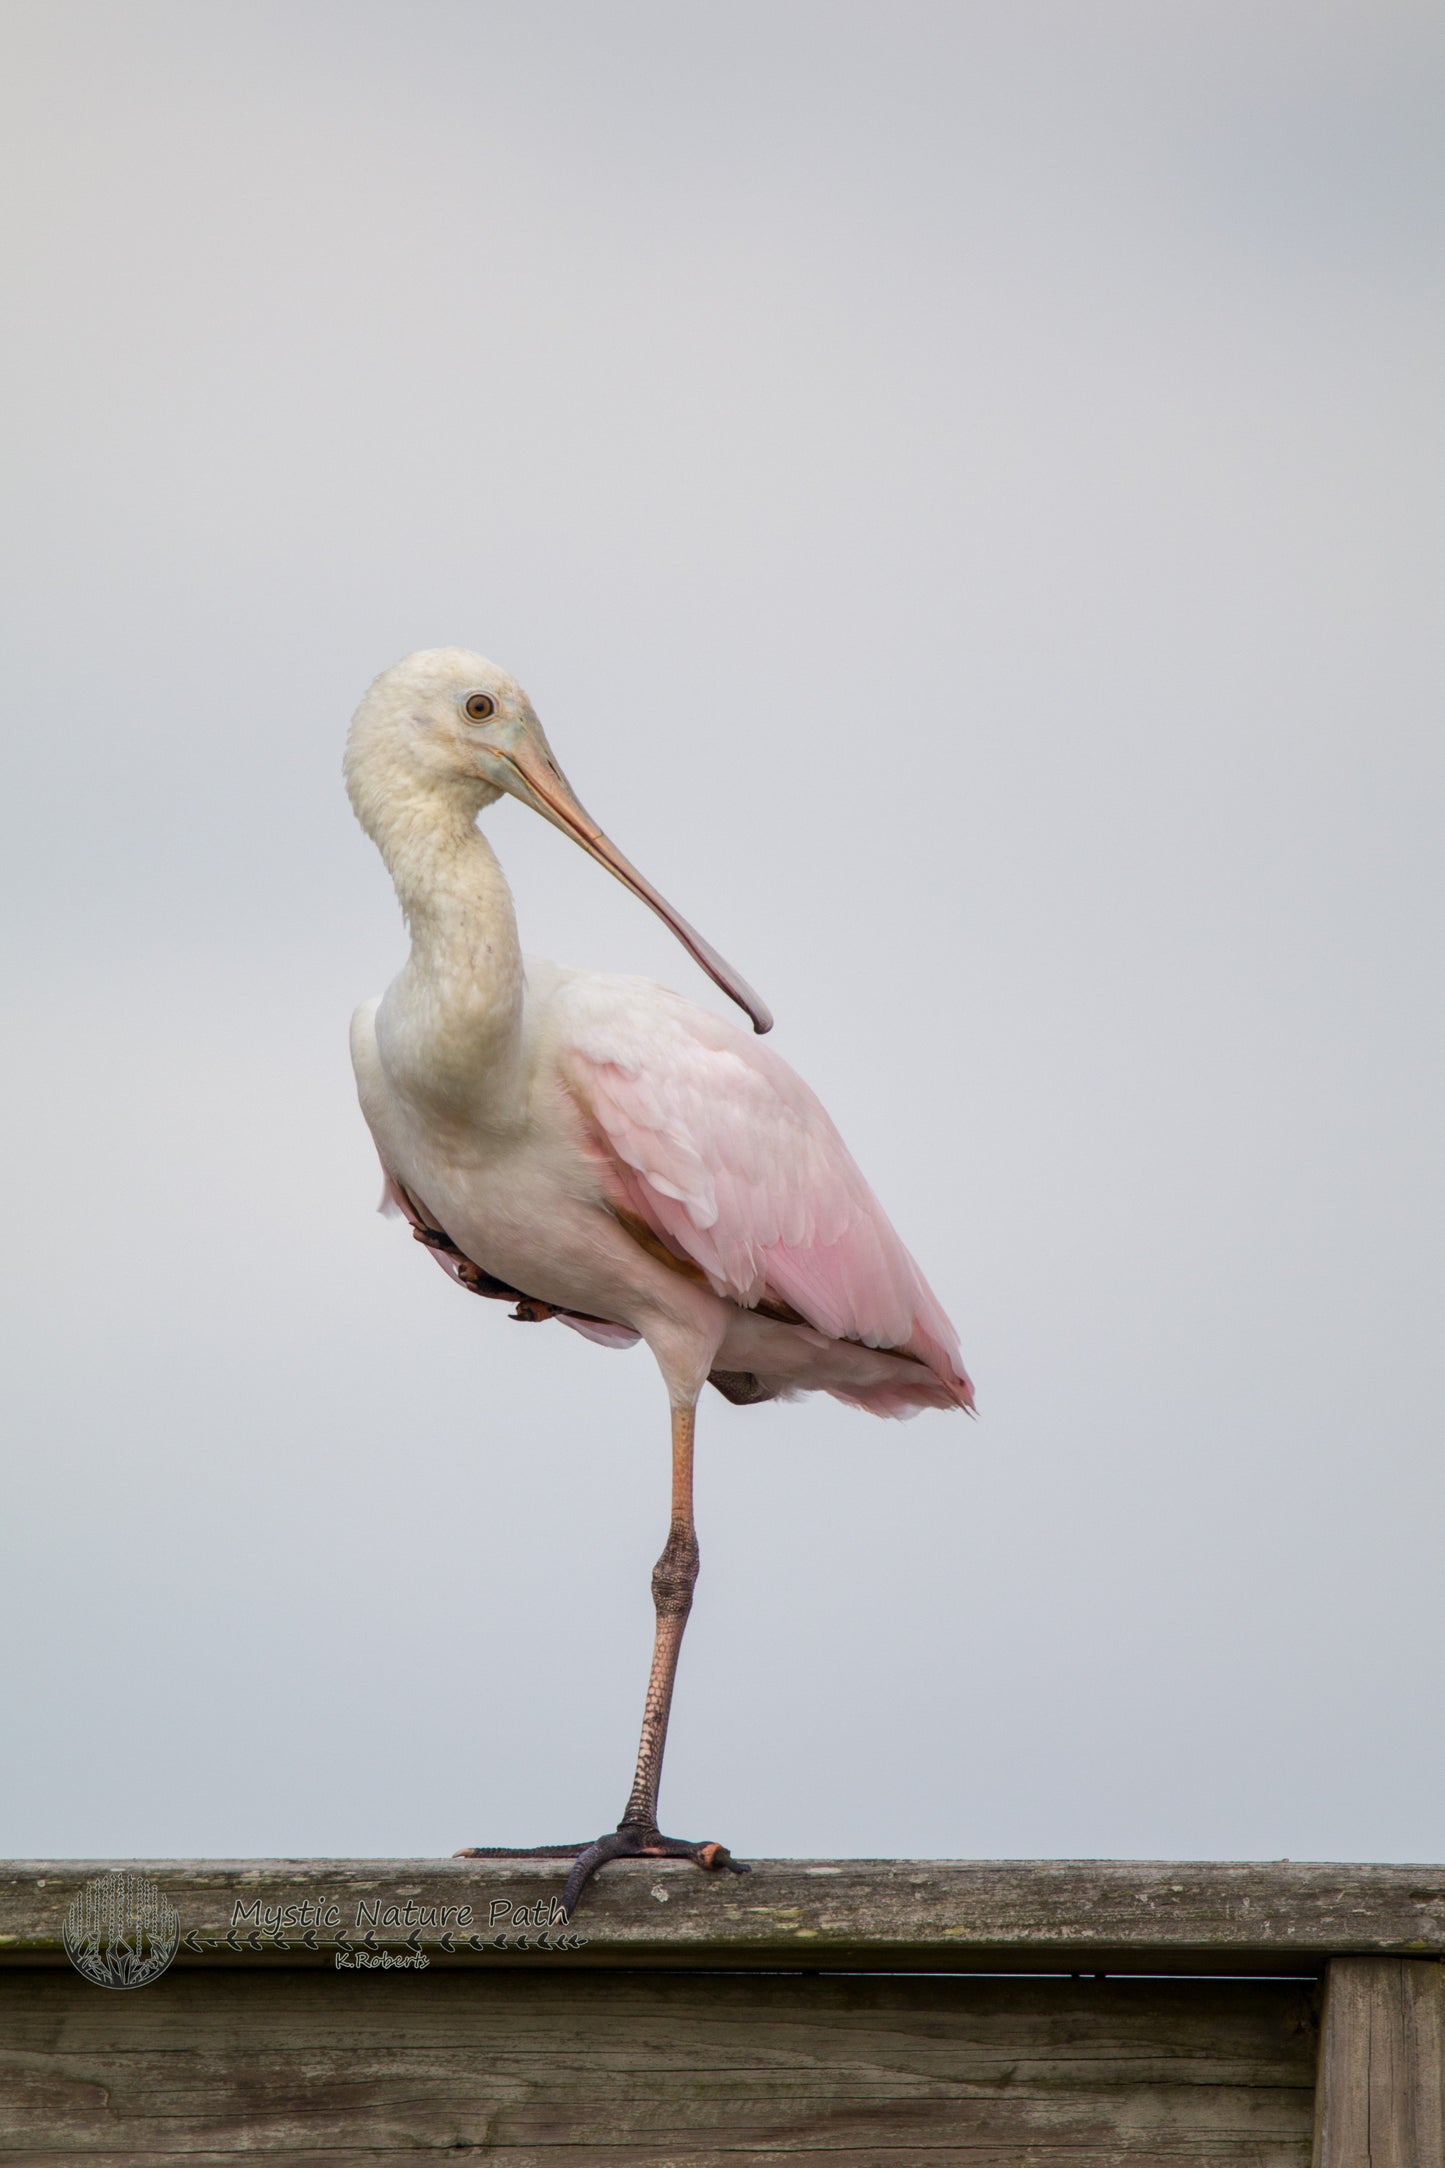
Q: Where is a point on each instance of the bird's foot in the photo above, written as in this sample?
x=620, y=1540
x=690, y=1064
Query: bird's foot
x=641, y=1840
x=630, y=1840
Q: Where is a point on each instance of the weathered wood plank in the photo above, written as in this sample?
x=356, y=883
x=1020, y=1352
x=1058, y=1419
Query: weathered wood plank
x=689, y=2071
x=884, y=1915
x=1381, y=2097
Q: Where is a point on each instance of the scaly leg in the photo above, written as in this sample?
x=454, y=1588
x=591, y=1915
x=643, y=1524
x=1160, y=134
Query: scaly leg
x=673, y=1578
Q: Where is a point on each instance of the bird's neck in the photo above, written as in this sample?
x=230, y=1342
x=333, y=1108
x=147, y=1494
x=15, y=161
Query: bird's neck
x=465, y=972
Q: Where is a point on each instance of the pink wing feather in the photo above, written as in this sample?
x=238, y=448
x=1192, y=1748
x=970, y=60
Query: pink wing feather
x=723, y=1151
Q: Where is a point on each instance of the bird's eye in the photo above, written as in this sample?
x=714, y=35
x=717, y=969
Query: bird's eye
x=479, y=706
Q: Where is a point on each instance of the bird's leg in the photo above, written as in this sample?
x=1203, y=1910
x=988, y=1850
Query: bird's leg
x=673, y=1578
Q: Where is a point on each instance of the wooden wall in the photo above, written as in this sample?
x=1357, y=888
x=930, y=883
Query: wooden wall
x=673, y=2070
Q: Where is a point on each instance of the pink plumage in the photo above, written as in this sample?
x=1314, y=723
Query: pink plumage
x=726, y=1155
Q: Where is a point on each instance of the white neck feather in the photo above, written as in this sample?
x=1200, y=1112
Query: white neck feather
x=457, y=1004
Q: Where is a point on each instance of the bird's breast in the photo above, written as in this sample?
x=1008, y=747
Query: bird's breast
x=521, y=1196
x=455, y=1056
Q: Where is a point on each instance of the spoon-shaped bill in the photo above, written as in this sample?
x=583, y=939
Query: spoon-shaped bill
x=530, y=773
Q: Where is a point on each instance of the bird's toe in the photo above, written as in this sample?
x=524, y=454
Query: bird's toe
x=630, y=1840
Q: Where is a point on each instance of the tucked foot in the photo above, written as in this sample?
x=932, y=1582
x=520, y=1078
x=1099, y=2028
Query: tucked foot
x=630, y=1840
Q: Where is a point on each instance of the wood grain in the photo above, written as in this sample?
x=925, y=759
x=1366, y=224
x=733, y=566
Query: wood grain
x=881, y=1915
x=675, y=2071
x=1381, y=2100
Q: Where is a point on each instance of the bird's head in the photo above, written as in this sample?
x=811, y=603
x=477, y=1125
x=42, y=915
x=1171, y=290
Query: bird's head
x=447, y=728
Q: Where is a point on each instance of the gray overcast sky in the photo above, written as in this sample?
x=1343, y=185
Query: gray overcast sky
x=962, y=485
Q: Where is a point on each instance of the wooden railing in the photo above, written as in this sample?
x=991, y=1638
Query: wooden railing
x=1003, y=2014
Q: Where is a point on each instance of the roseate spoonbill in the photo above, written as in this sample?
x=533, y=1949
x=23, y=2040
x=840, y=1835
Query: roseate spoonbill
x=600, y=1151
